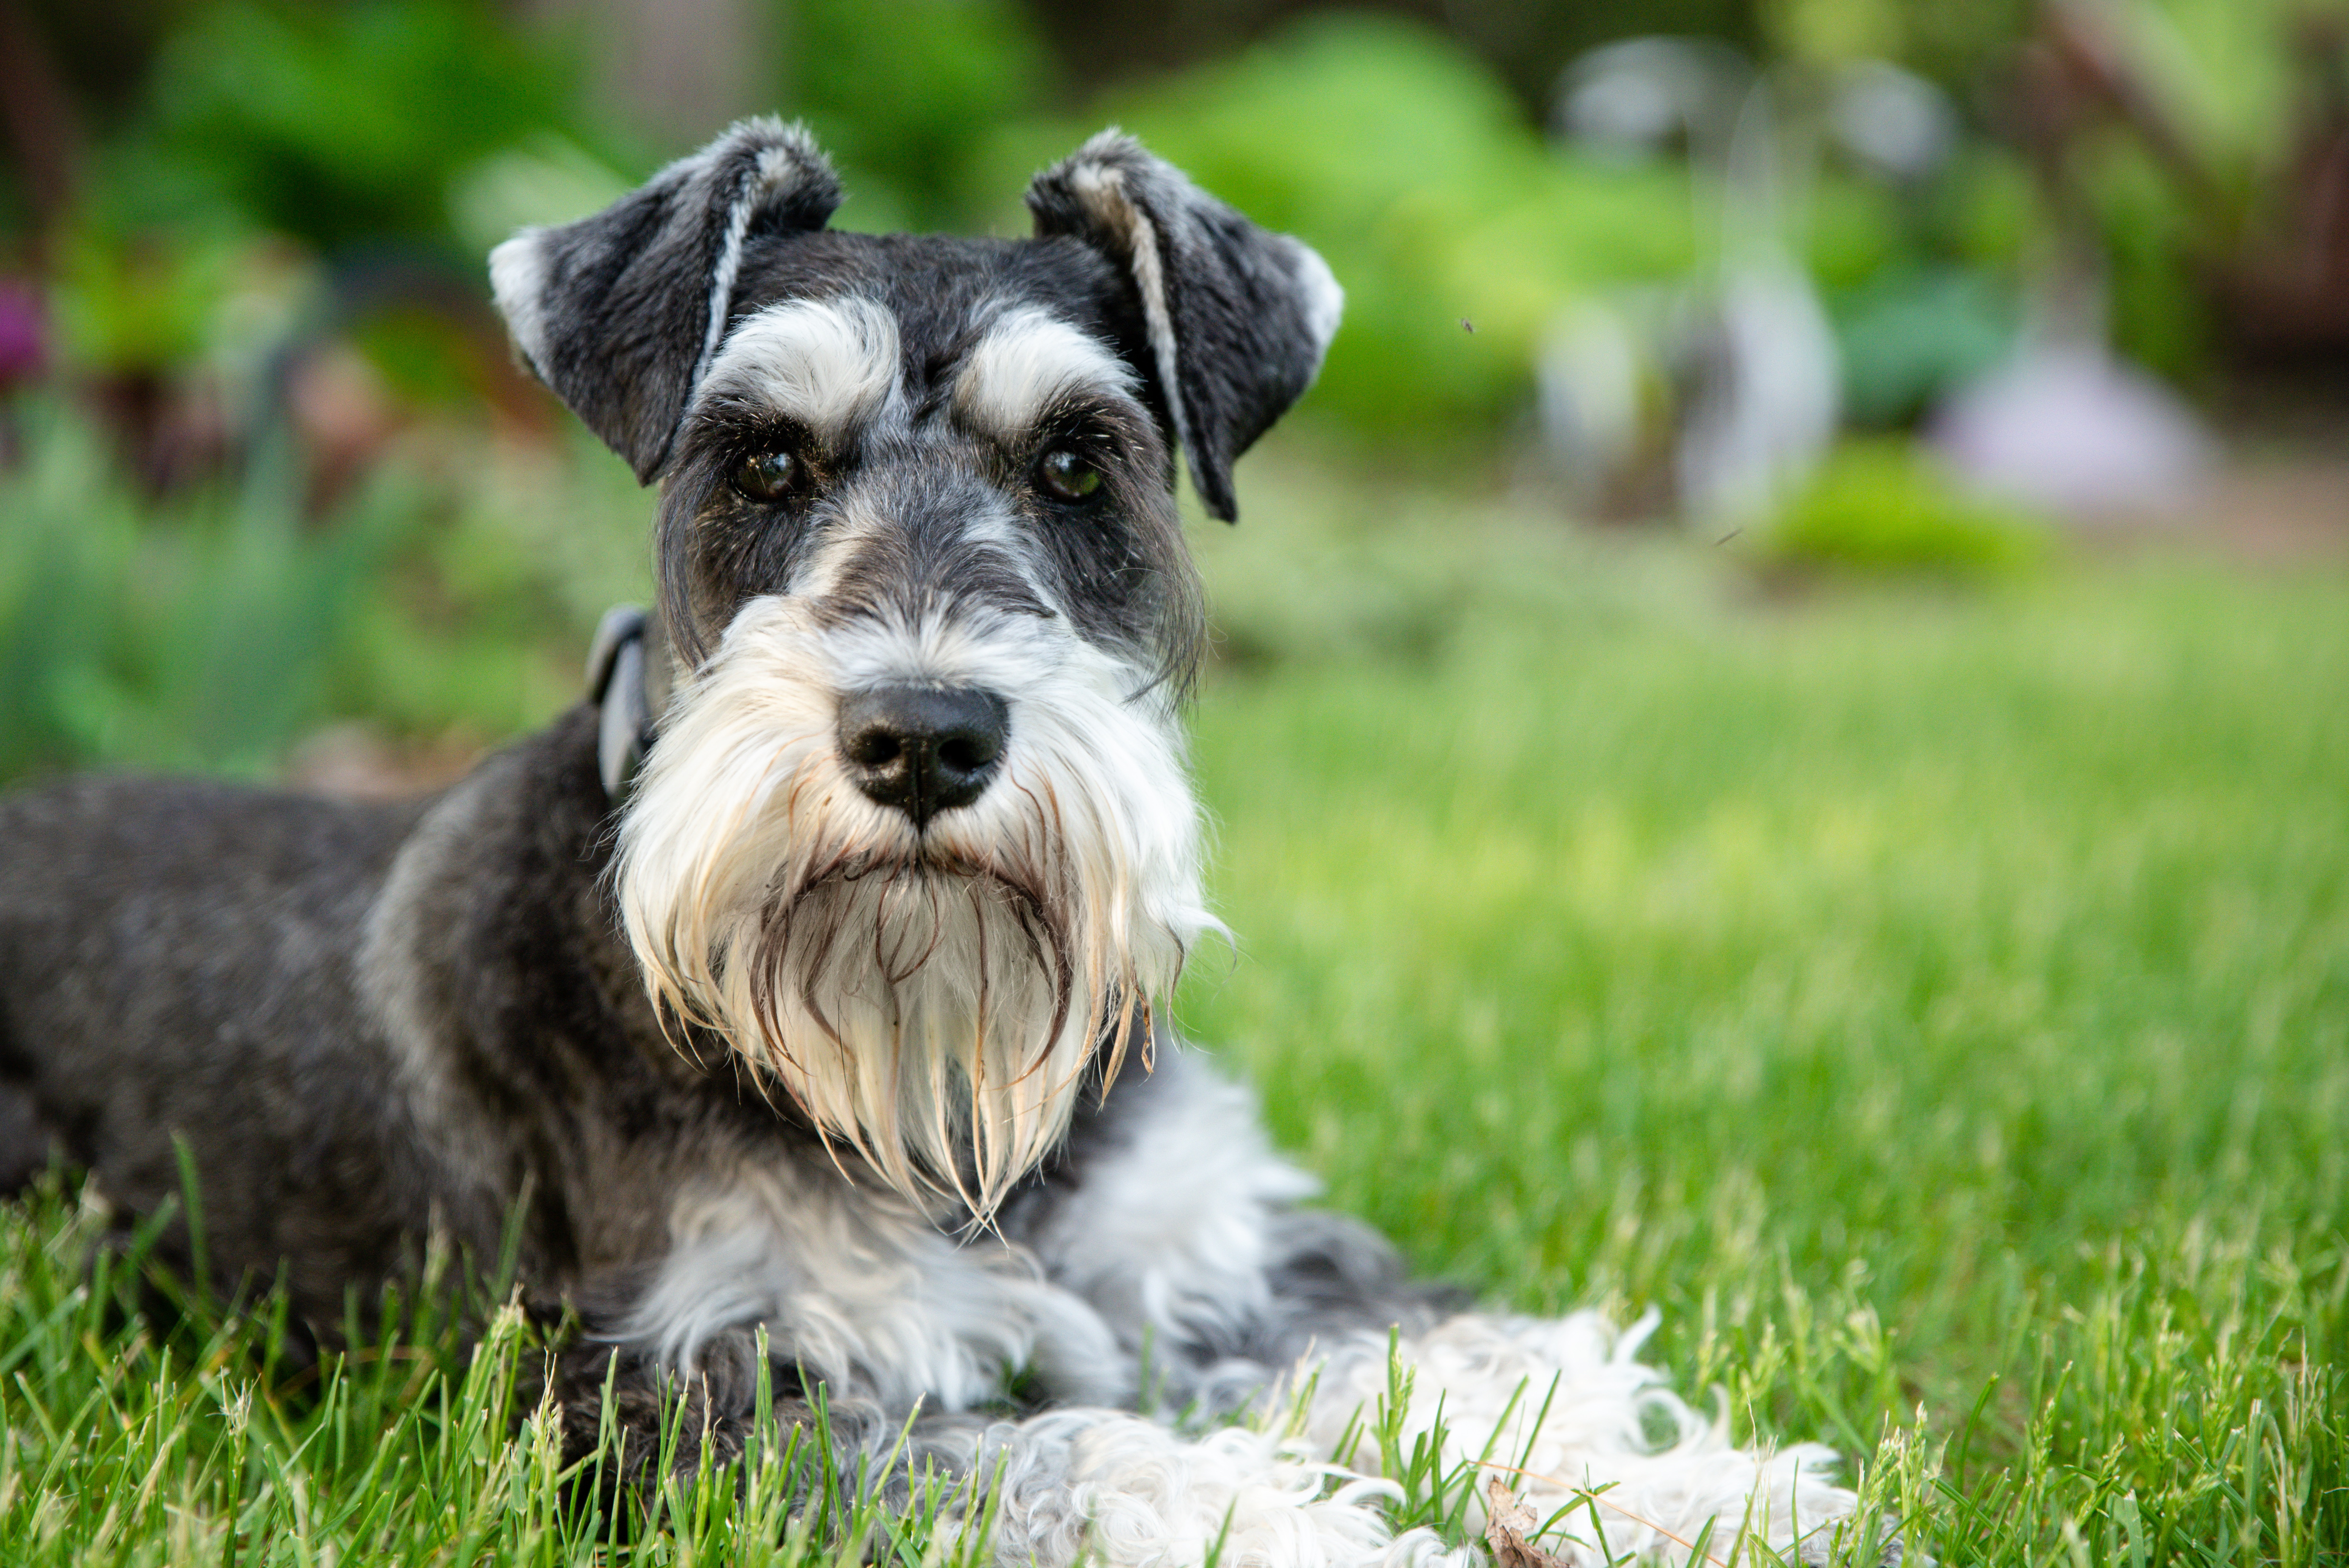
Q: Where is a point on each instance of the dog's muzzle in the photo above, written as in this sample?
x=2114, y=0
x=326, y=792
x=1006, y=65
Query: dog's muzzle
x=923, y=748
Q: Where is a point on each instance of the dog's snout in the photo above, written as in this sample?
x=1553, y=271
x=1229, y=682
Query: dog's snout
x=924, y=749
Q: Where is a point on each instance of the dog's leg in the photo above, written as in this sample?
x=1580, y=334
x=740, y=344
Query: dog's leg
x=1126, y=1492
x=1561, y=1413
x=1185, y=1236
x=1108, y=1487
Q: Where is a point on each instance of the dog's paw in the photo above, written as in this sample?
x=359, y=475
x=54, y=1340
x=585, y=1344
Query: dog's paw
x=1126, y=1492
x=1613, y=1464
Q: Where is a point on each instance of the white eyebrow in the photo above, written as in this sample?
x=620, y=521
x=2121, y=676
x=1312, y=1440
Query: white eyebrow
x=829, y=363
x=1028, y=360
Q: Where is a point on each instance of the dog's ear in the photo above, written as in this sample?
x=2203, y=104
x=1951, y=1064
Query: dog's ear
x=1239, y=317
x=620, y=314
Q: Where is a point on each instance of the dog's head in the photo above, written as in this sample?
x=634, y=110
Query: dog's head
x=915, y=836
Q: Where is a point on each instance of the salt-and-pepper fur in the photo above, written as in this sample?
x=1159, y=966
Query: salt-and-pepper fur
x=752, y=1052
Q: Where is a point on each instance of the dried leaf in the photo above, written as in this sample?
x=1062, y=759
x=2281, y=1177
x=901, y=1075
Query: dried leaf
x=1507, y=1519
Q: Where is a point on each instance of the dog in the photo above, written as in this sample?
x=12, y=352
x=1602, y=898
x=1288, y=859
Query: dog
x=805, y=988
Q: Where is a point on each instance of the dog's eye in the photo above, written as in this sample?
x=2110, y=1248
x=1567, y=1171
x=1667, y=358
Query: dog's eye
x=766, y=477
x=1066, y=474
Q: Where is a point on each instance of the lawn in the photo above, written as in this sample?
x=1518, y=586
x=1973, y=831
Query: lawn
x=1936, y=1002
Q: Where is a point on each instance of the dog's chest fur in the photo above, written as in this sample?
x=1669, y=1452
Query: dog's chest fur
x=1154, y=1225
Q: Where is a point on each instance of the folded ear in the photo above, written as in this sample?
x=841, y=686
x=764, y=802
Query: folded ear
x=620, y=314
x=1239, y=317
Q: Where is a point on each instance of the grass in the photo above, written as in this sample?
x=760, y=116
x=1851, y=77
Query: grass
x=1937, y=1004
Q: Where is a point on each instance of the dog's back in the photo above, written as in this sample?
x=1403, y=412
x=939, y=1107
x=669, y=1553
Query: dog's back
x=190, y=944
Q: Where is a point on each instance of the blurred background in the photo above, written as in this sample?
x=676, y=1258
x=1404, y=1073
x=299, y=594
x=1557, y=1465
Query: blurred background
x=1812, y=289
x=1775, y=724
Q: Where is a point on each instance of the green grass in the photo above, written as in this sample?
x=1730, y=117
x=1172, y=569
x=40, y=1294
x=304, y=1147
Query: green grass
x=1937, y=1004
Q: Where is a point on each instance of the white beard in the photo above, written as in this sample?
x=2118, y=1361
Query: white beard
x=931, y=1000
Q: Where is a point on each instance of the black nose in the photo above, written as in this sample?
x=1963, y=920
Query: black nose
x=922, y=750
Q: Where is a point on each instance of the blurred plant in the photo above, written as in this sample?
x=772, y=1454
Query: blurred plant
x=476, y=622
x=1912, y=333
x=903, y=106
x=2196, y=153
x=1956, y=46
x=547, y=178
x=1880, y=506
x=341, y=125
x=201, y=638
x=287, y=177
x=451, y=589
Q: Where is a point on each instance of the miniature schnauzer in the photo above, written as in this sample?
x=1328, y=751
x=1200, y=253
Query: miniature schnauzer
x=810, y=981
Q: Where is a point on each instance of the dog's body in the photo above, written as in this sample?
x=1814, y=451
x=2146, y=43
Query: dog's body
x=830, y=1024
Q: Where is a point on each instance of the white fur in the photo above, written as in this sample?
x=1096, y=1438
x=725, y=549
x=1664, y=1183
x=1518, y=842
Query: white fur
x=1126, y=1492
x=1563, y=1403
x=1164, y=1239
x=1325, y=301
x=889, y=1038
x=518, y=283
x=1164, y=1242
x=1028, y=360
x=861, y=1289
x=1102, y=190
x=830, y=363
x=1168, y=1236
x=1130, y=1493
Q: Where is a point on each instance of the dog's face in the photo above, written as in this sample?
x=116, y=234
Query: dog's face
x=915, y=836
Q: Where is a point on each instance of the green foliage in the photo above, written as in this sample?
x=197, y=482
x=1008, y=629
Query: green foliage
x=481, y=616
x=213, y=630
x=1883, y=505
x=197, y=640
x=1906, y=336
x=122, y=305
x=1957, y=44
x=2154, y=235
x=345, y=123
x=900, y=98
x=2232, y=75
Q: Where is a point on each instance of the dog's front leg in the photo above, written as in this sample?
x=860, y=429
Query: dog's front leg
x=1184, y=1234
x=1125, y=1491
x=1561, y=1413
x=1101, y=1486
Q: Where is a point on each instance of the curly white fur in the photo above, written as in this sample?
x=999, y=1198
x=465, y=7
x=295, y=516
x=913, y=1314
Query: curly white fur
x=1560, y=1404
x=1565, y=1407
x=1127, y=1492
